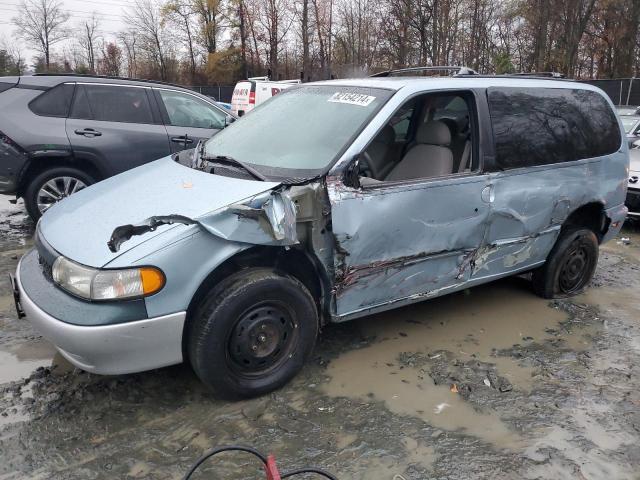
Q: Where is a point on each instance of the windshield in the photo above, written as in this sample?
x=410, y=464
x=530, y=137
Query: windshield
x=629, y=122
x=300, y=131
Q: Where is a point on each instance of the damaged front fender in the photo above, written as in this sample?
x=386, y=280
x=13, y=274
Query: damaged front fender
x=268, y=218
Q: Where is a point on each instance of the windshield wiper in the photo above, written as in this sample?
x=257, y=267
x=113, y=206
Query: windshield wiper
x=224, y=159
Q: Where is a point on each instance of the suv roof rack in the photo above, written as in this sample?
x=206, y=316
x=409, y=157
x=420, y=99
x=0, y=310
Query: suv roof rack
x=537, y=74
x=459, y=70
x=107, y=77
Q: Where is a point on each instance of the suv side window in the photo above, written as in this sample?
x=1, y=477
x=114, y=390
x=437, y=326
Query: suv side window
x=112, y=104
x=543, y=126
x=184, y=110
x=54, y=102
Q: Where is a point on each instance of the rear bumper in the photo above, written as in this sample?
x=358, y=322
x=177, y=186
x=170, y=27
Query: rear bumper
x=109, y=349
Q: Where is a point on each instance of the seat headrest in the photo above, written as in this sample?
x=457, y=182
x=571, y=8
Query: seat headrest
x=387, y=135
x=434, y=133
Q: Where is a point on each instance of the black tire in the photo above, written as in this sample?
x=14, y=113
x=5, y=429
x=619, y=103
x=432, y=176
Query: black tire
x=228, y=345
x=31, y=192
x=569, y=266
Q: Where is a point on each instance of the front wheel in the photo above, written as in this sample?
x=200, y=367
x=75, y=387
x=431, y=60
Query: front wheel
x=570, y=265
x=252, y=333
x=51, y=186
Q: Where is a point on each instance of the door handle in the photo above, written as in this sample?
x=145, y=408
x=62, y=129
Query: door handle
x=184, y=139
x=488, y=194
x=88, y=132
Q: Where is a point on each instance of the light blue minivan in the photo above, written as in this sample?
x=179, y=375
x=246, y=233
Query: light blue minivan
x=332, y=201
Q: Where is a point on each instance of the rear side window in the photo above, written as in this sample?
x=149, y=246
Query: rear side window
x=112, y=104
x=54, y=102
x=542, y=126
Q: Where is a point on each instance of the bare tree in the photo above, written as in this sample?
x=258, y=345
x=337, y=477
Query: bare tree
x=209, y=14
x=110, y=59
x=41, y=23
x=180, y=13
x=128, y=40
x=145, y=19
x=87, y=40
x=13, y=58
x=304, y=33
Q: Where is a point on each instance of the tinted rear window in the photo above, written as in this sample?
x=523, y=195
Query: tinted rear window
x=551, y=125
x=112, y=104
x=54, y=102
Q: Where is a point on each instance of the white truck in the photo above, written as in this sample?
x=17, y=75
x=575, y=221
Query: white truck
x=252, y=92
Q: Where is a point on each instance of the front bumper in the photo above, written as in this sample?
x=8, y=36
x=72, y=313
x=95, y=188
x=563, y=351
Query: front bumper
x=120, y=348
x=633, y=202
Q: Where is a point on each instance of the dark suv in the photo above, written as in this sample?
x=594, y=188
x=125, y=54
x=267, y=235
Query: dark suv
x=60, y=133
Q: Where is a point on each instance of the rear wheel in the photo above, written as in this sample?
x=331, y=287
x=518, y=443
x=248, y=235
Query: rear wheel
x=570, y=265
x=252, y=333
x=53, y=185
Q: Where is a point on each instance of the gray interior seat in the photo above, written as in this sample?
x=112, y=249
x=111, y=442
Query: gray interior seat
x=429, y=157
x=379, y=152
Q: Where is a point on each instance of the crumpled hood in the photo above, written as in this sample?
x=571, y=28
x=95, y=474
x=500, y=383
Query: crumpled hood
x=80, y=226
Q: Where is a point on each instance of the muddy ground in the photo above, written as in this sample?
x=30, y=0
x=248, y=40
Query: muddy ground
x=488, y=383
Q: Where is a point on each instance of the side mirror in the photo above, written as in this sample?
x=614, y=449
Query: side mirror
x=636, y=144
x=351, y=176
x=228, y=120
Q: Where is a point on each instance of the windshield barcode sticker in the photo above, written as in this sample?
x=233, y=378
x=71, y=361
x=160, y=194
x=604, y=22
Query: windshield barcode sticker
x=351, y=98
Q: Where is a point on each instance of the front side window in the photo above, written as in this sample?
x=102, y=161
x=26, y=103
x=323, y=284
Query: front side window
x=301, y=131
x=184, y=110
x=54, y=102
x=112, y=104
x=437, y=140
x=543, y=126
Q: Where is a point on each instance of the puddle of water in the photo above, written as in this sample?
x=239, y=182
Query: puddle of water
x=470, y=325
x=591, y=463
x=20, y=362
x=621, y=300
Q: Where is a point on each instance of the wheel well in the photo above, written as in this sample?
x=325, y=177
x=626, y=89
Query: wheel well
x=293, y=261
x=39, y=165
x=591, y=216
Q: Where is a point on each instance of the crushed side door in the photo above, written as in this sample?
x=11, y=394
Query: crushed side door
x=398, y=244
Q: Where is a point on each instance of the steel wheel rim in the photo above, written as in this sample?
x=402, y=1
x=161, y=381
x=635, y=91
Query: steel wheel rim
x=575, y=269
x=57, y=189
x=262, y=339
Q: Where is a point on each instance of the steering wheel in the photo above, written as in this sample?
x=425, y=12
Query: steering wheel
x=365, y=169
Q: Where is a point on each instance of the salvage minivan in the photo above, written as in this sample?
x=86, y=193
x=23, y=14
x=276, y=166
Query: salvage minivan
x=332, y=201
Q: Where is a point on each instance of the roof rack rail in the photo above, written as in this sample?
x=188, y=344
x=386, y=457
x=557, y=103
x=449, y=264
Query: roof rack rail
x=537, y=74
x=107, y=77
x=459, y=71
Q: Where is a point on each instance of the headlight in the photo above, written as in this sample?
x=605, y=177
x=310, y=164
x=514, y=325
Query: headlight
x=95, y=284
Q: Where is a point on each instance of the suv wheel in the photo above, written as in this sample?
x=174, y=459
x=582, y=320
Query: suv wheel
x=252, y=333
x=569, y=266
x=51, y=186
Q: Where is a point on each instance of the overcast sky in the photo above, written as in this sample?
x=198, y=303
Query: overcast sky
x=109, y=12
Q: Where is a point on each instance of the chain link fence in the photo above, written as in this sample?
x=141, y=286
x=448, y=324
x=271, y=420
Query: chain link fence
x=622, y=91
x=221, y=93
